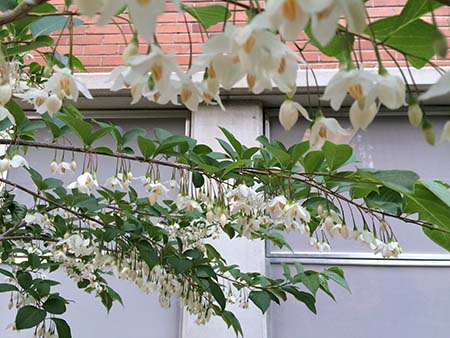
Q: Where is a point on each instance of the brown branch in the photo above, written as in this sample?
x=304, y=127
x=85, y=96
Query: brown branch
x=20, y=12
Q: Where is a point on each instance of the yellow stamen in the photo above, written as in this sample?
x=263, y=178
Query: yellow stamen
x=251, y=80
x=143, y=3
x=248, y=45
x=236, y=59
x=282, y=67
x=356, y=91
x=323, y=132
x=156, y=96
x=39, y=101
x=157, y=70
x=65, y=85
x=185, y=95
x=211, y=71
x=289, y=9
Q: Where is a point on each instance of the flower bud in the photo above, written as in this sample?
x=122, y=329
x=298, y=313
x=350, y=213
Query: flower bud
x=73, y=165
x=47, y=72
x=5, y=93
x=445, y=136
x=131, y=50
x=54, y=104
x=328, y=223
x=288, y=114
x=53, y=167
x=415, y=114
x=428, y=132
x=355, y=235
x=4, y=164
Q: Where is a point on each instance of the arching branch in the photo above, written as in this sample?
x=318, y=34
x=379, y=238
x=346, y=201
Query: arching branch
x=20, y=12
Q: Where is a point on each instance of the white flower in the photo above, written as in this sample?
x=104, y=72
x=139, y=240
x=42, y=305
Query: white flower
x=113, y=182
x=368, y=239
x=84, y=183
x=289, y=113
x=5, y=93
x=64, y=167
x=4, y=164
x=18, y=161
x=88, y=7
x=362, y=117
x=390, y=90
x=359, y=83
x=78, y=246
x=326, y=14
x=185, y=203
x=156, y=191
x=37, y=218
x=288, y=16
x=391, y=249
x=445, y=136
x=415, y=114
x=62, y=82
x=143, y=14
x=53, y=104
x=323, y=246
x=441, y=87
x=327, y=129
x=276, y=206
x=210, y=90
x=38, y=98
x=53, y=167
x=294, y=211
x=4, y=113
x=190, y=95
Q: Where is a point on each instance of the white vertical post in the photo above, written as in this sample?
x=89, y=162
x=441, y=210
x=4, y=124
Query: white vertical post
x=245, y=121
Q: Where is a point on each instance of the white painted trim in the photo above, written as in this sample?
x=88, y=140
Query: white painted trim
x=423, y=77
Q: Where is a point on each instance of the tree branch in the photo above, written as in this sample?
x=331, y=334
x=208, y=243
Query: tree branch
x=20, y=12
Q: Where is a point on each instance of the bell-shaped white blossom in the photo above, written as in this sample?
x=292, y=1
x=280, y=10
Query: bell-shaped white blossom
x=190, y=95
x=113, y=182
x=325, y=15
x=441, y=87
x=390, y=90
x=156, y=190
x=38, y=98
x=18, y=161
x=5, y=114
x=445, y=136
x=288, y=16
x=78, y=246
x=88, y=7
x=289, y=111
x=64, y=168
x=143, y=13
x=5, y=93
x=5, y=163
x=84, y=183
x=325, y=128
x=360, y=118
x=53, y=104
x=64, y=83
x=276, y=206
x=368, y=239
x=37, y=218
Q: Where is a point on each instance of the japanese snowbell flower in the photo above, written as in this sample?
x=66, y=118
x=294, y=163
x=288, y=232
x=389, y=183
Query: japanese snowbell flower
x=156, y=190
x=5, y=114
x=441, y=87
x=288, y=16
x=84, y=183
x=64, y=167
x=88, y=7
x=276, y=206
x=4, y=164
x=361, y=118
x=5, y=93
x=143, y=13
x=185, y=203
x=37, y=218
x=359, y=83
x=53, y=104
x=64, y=83
x=289, y=111
x=325, y=128
x=390, y=90
x=190, y=95
x=18, y=161
x=113, y=182
x=445, y=136
x=37, y=97
x=78, y=246
x=325, y=15
x=368, y=239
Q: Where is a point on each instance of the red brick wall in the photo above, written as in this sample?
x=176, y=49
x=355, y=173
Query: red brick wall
x=100, y=48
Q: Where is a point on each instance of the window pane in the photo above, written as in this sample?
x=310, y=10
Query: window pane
x=408, y=302
x=389, y=143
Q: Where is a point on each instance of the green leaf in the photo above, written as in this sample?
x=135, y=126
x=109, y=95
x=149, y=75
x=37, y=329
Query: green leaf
x=7, y=5
x=55, y=305
x=41, y=41
x=62, y=328
x=82, y=128
x=24, y=279
x=180, y=265
x=29, y=316
x=402, y=181
x=217, y=293
x=337, y=275
x=386, y=199
x=208, y=16
x=233, y=141
x=50, y=24
x=304, y=297
x=261, y=299
x=336, y=154
x=146, y=146
x=310, y=279
x=230, y=319
x=7, y=287
x=197, y=179
x=132, y=135
x=148, y=253
x=115, y=296
x=313, y=161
